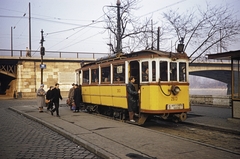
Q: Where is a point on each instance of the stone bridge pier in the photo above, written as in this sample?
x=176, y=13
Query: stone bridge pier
x=21, y=77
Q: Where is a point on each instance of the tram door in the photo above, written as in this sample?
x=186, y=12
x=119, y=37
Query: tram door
x=134, y=71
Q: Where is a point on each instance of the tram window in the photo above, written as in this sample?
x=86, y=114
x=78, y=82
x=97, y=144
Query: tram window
x=145, y=71
x=105, y=74
x=173, y=71
x=153, y=71
x=86, y=76
x=118, y=73
x=163, y=70
x=182, y=71
x=94, y=76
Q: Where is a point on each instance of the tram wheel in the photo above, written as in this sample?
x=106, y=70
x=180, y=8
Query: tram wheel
x=183, y=116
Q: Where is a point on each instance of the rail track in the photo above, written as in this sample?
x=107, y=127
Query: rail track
x=218, y=138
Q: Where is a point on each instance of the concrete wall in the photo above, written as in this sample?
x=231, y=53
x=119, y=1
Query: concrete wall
x=29, y=77
x=211, y=100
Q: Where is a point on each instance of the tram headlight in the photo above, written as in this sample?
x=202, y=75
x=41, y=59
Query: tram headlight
x=175, y=89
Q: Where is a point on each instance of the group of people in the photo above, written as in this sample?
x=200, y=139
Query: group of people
x=75, y=98
x=52, y=98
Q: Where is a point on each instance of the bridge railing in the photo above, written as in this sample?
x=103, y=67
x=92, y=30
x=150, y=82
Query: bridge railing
x=206, y=60
x=51, y=54
x=61, y=54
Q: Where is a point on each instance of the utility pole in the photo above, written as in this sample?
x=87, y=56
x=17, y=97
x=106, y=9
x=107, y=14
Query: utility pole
x=42, y=52
x=11, y=41
x=158, y=39
x=30, y=45
x=119, y=39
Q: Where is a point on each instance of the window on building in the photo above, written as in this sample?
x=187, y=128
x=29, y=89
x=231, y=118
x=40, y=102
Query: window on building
x=163, y=70
x=105, y=74
x=236, y=79
x=118, y=73
x=86, y=76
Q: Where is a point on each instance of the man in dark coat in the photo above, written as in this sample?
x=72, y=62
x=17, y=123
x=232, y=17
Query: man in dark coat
x=132, y=97
x=56, y=96
x=77, y=97
x=49, y=97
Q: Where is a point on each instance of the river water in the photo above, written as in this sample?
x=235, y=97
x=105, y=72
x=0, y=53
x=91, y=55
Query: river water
x=210, y=91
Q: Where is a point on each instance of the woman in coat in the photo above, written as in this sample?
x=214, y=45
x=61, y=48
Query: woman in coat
x=41, y=98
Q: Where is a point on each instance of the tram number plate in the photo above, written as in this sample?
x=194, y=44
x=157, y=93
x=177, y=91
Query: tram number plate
x=174, y=106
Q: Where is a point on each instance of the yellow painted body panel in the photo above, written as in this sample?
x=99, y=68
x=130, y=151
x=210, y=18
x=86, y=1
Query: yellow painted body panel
x=153, y=99
x=113, y=95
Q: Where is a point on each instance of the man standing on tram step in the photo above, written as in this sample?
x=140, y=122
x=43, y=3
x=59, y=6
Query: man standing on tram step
x=56, y=96
x=132, y=97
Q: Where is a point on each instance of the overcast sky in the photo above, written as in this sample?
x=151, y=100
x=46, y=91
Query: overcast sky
x=66, y=22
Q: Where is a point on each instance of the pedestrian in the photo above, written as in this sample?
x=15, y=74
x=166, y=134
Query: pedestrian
x=77, y=97
x=41, y=98
x=28, y=53
x=49, y=98
x=56, y=96
x=132, y=98
x=70, y=95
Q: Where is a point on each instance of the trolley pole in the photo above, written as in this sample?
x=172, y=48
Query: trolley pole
x=42, y=52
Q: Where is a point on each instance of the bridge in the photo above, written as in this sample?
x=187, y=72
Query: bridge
x=19, y=73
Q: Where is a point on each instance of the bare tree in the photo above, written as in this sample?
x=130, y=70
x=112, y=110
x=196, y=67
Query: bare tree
x=204, y=30
x=133, y=30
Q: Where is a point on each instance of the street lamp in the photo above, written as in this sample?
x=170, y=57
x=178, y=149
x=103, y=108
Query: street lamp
x=42, y=52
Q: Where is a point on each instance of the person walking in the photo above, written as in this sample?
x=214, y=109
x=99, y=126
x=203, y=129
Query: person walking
x=70, y=95
x=49, y=98
x=41, y=98
x=56, y=96
x=132, y=98
x=77, y=97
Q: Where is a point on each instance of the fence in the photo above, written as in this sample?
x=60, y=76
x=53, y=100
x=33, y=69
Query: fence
x=51, y=54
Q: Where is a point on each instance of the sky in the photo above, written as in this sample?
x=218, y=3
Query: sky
x=76, y=25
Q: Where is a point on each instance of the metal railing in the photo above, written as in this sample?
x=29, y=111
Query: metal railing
x=61, y=54
x=204, y=59
x=51, y=54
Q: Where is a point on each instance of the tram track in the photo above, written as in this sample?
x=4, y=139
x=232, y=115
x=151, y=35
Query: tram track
x=223, y=139
x=215, y=137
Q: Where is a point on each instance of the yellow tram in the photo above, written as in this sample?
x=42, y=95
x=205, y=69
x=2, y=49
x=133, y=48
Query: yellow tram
x=162, y=78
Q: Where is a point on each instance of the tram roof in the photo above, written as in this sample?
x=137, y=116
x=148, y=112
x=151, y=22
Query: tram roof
x=135, y=54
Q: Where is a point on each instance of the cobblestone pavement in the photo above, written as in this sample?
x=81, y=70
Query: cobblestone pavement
x=25, y=139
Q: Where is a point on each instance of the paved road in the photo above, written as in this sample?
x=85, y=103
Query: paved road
x=24, y=138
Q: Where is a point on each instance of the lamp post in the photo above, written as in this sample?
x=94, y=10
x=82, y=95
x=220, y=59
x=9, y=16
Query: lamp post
x=119, y=39
x=42, y=52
